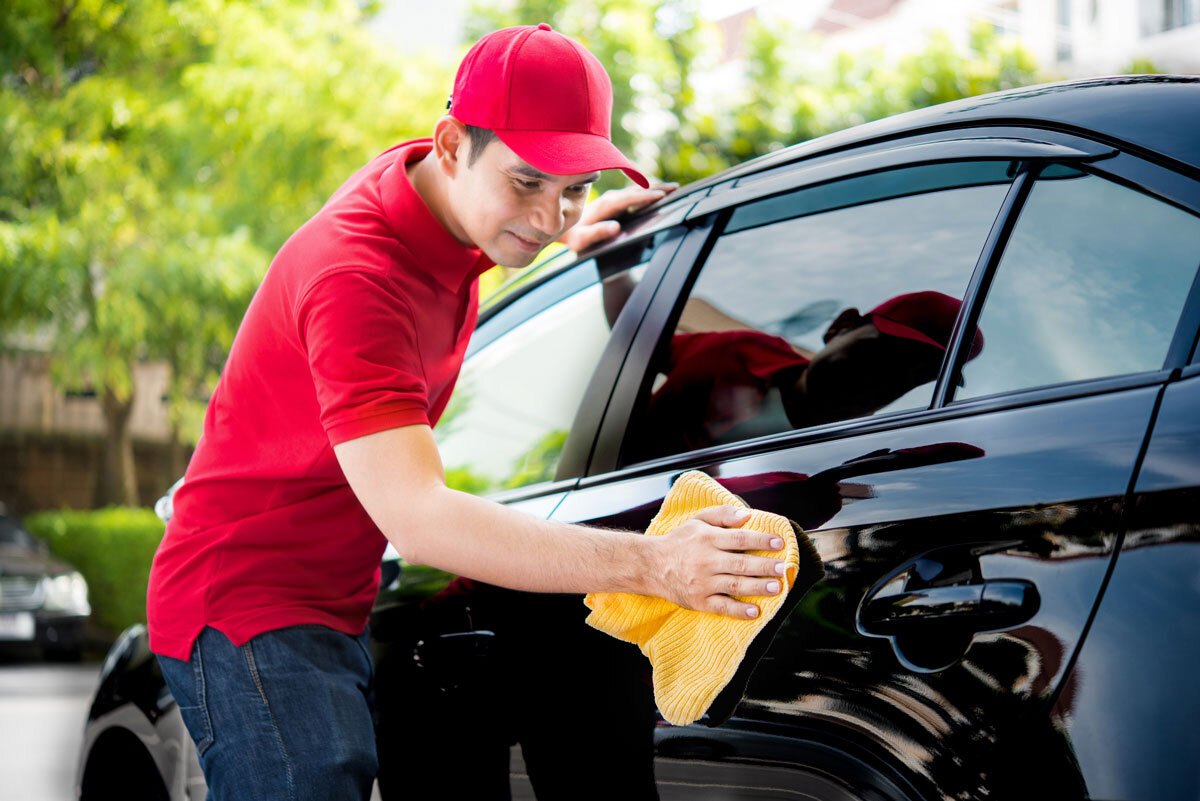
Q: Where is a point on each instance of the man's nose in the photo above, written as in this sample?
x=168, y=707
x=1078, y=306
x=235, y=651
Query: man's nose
x=548, y=214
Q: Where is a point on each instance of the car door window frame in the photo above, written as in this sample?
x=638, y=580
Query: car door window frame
x=707, y=221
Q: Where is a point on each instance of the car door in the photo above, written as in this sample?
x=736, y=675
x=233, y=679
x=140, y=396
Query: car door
x=1128, y=706
x=966, y=523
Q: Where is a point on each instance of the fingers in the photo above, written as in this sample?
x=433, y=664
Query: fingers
x=724, y=605
x=724, y=515
x=746, y=565
x=709, y=571
x=619, y=201
x=737, y=539
x=734, y=588
x=584, y=235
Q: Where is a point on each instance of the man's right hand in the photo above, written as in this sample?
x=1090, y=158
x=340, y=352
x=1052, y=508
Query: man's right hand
x=700, y=564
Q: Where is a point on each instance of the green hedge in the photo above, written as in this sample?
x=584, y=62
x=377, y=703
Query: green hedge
x=112, y=548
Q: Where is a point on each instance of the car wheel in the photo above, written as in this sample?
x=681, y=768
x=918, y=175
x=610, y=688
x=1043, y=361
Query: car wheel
x=120, y=767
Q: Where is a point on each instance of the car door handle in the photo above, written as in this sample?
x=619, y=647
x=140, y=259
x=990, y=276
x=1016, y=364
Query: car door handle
x=983, y=606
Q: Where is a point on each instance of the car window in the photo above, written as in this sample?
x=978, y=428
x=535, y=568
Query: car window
x=826, y=303
x=1091, y=284
x=517, y=395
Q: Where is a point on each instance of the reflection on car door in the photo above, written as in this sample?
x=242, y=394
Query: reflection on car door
x=964, y=547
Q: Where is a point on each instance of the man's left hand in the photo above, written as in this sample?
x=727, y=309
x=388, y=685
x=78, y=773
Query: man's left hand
x=597, y=223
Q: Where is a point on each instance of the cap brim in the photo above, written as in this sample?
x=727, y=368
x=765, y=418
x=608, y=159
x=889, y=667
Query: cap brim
x=570, y=153
x=893, y=328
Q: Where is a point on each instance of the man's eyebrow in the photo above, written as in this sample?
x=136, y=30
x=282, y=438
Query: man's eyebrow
x=531, y=172
x=535, y=174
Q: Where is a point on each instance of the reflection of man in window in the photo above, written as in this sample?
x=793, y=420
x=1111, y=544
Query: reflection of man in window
x=725, y=381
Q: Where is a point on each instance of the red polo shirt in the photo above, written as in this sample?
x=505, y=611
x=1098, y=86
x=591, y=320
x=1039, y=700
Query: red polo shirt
x=360, y=325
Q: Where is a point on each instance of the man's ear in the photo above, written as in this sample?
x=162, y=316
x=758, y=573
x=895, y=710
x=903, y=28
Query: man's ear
x=450, y=145
x=849, y=318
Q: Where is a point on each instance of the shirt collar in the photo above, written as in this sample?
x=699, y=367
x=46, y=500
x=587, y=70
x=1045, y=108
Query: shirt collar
x=419, y=230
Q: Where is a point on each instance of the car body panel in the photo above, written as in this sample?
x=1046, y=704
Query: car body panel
x=1129, y=709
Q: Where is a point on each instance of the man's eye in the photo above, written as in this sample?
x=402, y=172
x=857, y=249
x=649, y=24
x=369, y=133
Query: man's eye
x=527, y=184
x=581, y=189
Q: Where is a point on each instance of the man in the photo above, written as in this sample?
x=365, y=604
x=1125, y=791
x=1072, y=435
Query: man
x=317, y=448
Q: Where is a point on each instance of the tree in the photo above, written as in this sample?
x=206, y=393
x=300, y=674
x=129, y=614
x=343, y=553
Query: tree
x=158, y=153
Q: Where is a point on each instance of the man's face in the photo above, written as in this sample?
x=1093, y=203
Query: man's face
x=511, y=210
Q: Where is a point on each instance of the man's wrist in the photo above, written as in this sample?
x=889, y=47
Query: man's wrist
x=644, y=569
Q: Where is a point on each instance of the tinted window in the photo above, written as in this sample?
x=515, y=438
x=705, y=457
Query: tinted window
x=827, y=303
x=1091, y=284
x=516, y=397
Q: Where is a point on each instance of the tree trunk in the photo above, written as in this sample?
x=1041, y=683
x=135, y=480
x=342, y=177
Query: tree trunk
x=118, y=480
x=177, y=455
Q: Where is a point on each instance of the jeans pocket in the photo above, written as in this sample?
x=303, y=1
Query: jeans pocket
x=186, y=682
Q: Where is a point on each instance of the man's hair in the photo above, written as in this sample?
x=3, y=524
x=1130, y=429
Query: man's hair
x=479, y=138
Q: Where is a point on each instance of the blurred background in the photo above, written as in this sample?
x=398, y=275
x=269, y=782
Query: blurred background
x=158, y=153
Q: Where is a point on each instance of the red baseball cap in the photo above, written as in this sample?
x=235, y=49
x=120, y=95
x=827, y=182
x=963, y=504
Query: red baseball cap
x=545, y=96
x=924, y=317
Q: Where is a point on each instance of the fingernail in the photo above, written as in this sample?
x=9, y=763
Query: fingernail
x=781, y=567
x=777, y=543
x=772, y=587
x=751, y=611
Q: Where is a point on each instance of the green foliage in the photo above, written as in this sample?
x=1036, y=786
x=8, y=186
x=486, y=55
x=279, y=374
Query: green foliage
x=464, y=480
x=1141, y=66
x=159, y=152
x=113, y=549
x=539, y=462
x=786, y=100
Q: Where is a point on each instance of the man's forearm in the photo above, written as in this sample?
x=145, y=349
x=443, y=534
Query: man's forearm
x=701, y=564
x=474, y=537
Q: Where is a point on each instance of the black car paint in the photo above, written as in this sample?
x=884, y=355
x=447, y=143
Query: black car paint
x=1087, y=492
x=1130, y=708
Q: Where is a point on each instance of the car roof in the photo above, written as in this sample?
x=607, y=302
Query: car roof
x=1158, y=115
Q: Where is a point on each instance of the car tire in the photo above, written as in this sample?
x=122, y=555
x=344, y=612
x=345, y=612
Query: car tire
x=119, y=766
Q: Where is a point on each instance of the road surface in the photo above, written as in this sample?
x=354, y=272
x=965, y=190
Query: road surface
x=42, y=712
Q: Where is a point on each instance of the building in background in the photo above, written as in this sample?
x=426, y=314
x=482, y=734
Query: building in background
x=1070, y=38
x=52, y=442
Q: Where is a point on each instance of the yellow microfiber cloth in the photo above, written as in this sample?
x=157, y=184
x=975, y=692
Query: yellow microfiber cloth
x=702, y=661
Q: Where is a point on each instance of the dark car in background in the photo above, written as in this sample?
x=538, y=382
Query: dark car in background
x=1001, y=473
x=43, y=600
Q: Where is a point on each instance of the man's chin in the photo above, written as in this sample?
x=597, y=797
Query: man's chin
x=513, y=261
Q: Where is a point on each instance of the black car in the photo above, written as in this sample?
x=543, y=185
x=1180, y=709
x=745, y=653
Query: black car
x=43, y=600
x=957, y=346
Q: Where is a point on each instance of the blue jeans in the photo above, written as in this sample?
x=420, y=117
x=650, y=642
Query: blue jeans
x=287, y=715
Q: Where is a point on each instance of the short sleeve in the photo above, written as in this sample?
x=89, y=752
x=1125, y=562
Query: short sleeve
x=361, y=342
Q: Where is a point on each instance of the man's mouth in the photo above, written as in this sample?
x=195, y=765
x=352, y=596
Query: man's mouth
x=527, y=244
